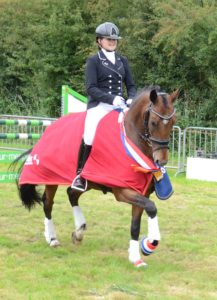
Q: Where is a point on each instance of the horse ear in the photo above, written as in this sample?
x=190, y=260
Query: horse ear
x=153, y=96
x=174, y=95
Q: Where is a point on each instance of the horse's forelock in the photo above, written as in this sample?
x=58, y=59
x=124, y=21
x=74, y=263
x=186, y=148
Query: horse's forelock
x=165, y=101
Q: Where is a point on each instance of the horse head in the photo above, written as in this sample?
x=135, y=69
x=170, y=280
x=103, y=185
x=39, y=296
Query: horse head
x=160, y=120
x=153, y=116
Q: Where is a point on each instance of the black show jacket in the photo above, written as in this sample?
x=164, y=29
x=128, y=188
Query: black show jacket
x=104, y=80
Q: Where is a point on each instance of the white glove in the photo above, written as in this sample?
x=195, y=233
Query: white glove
x=119, y=102
x=129, y=101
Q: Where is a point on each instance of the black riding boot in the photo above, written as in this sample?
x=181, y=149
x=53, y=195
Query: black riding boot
x=80, y=183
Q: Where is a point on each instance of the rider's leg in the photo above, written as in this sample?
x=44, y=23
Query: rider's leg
x=80, y=183
x=94, y=115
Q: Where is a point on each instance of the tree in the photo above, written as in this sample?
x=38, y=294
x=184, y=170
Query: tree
x=41, y=49
x=186, y=43
x=171, y=43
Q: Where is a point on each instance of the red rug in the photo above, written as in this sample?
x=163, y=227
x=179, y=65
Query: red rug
x=54, y=158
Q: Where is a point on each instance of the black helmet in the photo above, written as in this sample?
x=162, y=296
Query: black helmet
x=108, y=30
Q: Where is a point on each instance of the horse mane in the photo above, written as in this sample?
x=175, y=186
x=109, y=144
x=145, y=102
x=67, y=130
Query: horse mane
x=142, y=93
x=149, y=88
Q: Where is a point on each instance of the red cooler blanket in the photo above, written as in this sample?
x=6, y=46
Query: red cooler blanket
x=53, y=159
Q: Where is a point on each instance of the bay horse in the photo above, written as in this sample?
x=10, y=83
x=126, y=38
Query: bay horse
x=148, y=124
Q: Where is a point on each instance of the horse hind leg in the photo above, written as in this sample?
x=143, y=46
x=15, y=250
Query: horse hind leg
x=49, y=232
x=79, y=219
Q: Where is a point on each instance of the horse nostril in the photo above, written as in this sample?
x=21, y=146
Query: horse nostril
x=157, y=162
x=163, y=163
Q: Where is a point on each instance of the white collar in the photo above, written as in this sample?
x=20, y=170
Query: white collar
x=110, y=55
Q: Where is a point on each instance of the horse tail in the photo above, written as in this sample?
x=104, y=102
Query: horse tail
x=28, y=195
x=27, y=192
x=14, y=165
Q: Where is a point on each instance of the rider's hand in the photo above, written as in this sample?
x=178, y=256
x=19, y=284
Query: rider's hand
x=129, y=101
x=119, y=102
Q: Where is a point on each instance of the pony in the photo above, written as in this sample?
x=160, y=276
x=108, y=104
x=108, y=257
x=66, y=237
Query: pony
x=148, y=124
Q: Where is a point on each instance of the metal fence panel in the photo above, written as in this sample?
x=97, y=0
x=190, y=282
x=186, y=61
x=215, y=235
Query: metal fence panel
x=199, y=142
x=175, y=149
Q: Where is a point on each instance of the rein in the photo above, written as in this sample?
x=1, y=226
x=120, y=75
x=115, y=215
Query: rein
x=164, y=143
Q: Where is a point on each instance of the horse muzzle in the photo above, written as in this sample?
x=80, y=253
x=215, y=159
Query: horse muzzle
x=160, y=156
x=160, y=148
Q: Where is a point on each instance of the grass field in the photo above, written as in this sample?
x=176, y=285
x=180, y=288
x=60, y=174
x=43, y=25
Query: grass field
x=183, y=267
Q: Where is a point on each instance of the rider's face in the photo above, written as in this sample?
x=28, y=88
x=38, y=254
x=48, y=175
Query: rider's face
x=108, y=44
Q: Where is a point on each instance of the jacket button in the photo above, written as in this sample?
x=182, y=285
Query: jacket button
x=109, y=92
x=110, y=87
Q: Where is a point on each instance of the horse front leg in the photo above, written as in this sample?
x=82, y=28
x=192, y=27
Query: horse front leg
x=134, y=250
x=140, y=203
x=79, y=219
x=148, y=243
x=48, y=201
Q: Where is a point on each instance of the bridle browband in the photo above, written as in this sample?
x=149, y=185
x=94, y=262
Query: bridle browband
x=163, y=143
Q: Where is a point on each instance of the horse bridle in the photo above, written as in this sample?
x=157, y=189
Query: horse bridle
x=163, y=143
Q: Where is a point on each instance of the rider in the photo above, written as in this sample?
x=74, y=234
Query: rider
x=106, y=73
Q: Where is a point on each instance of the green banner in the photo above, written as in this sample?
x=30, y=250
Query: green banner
x=9, y=156
x=6, y=177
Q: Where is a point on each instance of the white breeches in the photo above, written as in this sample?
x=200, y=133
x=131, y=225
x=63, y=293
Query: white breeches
x=94, y=115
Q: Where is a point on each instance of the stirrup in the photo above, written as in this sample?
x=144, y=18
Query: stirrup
x=79, y=187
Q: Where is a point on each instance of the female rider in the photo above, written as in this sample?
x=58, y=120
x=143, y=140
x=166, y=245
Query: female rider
x=106, y=74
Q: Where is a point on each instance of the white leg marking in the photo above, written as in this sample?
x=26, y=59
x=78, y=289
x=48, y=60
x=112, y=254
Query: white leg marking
x=134, y=254
x=153, y=229
x=49, y=233
x=80, y=225
x=78, y=217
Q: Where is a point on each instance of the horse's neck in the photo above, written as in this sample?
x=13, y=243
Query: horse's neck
x=134, y=126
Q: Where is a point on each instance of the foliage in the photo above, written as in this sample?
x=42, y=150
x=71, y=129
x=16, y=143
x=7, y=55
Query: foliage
x=186, y=41
x=40, y=50
x=45, y=43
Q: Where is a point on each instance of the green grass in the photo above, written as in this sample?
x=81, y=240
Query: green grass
x=183, y=267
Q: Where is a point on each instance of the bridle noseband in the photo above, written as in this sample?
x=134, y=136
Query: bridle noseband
x=164, y=143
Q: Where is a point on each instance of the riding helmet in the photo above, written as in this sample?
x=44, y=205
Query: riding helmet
x=108, y=30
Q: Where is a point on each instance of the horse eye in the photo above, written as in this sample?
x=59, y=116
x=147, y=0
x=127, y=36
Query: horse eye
x=154, y=124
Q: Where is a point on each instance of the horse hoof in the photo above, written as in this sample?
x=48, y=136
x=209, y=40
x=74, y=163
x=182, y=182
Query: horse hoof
x=140, y=263
x=54, y=243
x=77, y=237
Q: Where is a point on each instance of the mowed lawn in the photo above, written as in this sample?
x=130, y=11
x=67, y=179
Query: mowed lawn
x=183, y=267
